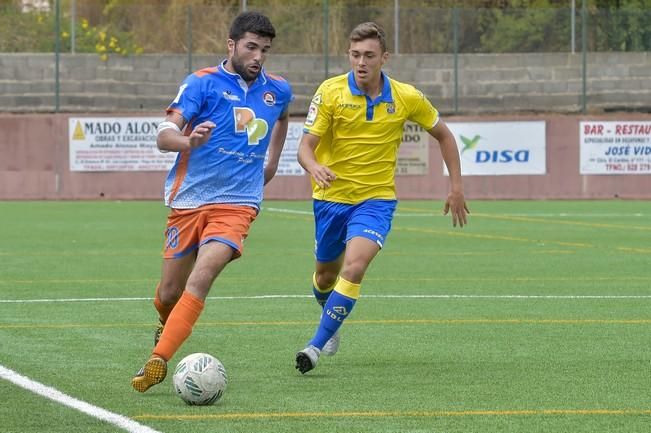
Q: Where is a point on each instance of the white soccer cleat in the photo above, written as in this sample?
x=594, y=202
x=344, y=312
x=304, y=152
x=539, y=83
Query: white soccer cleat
x=332, y=345
x=307, y=358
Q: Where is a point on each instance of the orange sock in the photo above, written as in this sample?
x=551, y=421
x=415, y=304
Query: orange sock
x=163, y=310
x=179, y=325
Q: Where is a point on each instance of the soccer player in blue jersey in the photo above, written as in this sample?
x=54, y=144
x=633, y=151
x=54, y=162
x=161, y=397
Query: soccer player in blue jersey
x=350, y=146
x=222, y=123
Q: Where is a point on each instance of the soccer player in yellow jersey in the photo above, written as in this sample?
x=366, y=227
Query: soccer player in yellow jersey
x=349, y=147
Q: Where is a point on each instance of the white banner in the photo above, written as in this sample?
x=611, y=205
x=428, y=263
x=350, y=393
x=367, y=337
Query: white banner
x=615, y=147
x=288, y=164
x=129, y=144
x=500, y=148
x=116, y=144
x=413, y=154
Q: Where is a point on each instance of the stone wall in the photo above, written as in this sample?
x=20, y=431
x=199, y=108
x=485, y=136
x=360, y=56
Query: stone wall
x=488, y=83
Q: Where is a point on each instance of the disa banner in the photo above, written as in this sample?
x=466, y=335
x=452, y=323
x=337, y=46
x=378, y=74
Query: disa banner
x=500, y=148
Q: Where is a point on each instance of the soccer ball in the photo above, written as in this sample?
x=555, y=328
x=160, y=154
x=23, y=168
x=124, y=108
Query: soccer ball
x=200, y=379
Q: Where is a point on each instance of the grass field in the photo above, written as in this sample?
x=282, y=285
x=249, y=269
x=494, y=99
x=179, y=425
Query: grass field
x=534, y=318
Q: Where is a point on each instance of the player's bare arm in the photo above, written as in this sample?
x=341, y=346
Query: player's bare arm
x=170, y=138
x=321, y=174
x=455, y=202
x=276, y=144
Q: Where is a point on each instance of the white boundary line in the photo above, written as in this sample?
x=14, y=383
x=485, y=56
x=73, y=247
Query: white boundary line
x=237, y=298
x=96, y=412
x=531, y=214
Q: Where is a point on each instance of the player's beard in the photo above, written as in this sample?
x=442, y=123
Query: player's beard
x=241, y=69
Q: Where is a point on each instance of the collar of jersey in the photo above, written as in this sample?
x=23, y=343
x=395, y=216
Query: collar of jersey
x=385, y=96
x=236, y=77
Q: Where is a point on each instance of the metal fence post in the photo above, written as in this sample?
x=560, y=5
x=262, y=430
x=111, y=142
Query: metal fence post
x=73, y=26
x=57, y=49
x=326, y=50
x=189, y=31
x=455, y=38
x=584, y=49
x=396, y=26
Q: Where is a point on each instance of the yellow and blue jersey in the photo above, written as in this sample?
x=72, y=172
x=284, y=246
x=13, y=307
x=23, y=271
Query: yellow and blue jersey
x=228, y=169
x=359, y=137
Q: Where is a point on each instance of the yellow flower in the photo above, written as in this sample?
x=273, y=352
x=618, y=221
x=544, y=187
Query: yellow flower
x=102, y=36
x=65, y=35
x=84, y=23
x=100, y=48
x=103, y=57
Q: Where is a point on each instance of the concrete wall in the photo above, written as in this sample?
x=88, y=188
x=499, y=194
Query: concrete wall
x=34, y=165
x=488, y=83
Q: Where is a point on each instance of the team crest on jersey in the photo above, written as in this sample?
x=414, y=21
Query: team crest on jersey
x=245, y=121
x=269, y=99
x=391, y=108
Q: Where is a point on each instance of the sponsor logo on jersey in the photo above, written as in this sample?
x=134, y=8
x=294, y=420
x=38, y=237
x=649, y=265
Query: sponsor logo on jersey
x=351, y=106
x=228, y=95
x=312, y=112
x=245, y=121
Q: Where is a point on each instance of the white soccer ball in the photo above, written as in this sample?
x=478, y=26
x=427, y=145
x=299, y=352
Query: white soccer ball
x=200, y=379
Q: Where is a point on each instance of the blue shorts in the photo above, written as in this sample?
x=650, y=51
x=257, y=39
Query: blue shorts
x=337, y=223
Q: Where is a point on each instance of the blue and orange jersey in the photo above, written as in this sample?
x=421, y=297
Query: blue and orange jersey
x=360, y=136
x=229, y=168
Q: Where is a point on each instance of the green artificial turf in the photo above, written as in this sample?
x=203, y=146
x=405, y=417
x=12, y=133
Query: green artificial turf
x=536, y=317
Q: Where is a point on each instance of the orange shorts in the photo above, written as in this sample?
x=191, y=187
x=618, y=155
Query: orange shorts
x=188, y=229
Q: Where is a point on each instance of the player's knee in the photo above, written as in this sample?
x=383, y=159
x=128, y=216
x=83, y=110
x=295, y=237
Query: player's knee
x=353, y=271
x=326, y=279
x=169, y=294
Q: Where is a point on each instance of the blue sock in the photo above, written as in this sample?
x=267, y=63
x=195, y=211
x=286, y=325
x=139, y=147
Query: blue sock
x=339, y=305
x=321, y=295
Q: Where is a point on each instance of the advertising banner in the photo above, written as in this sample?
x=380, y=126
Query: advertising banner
x=116, y=144
x=129, y=144
x=288, y=164
x=413, y=154
x=615, y=147
x=500, y=148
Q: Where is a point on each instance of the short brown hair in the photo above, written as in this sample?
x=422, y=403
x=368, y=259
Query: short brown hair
x=369, y=30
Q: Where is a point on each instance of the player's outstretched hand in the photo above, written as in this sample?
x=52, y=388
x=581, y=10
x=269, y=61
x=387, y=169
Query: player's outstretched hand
x=322, y=175
x=457, y=204
x=201, y=133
